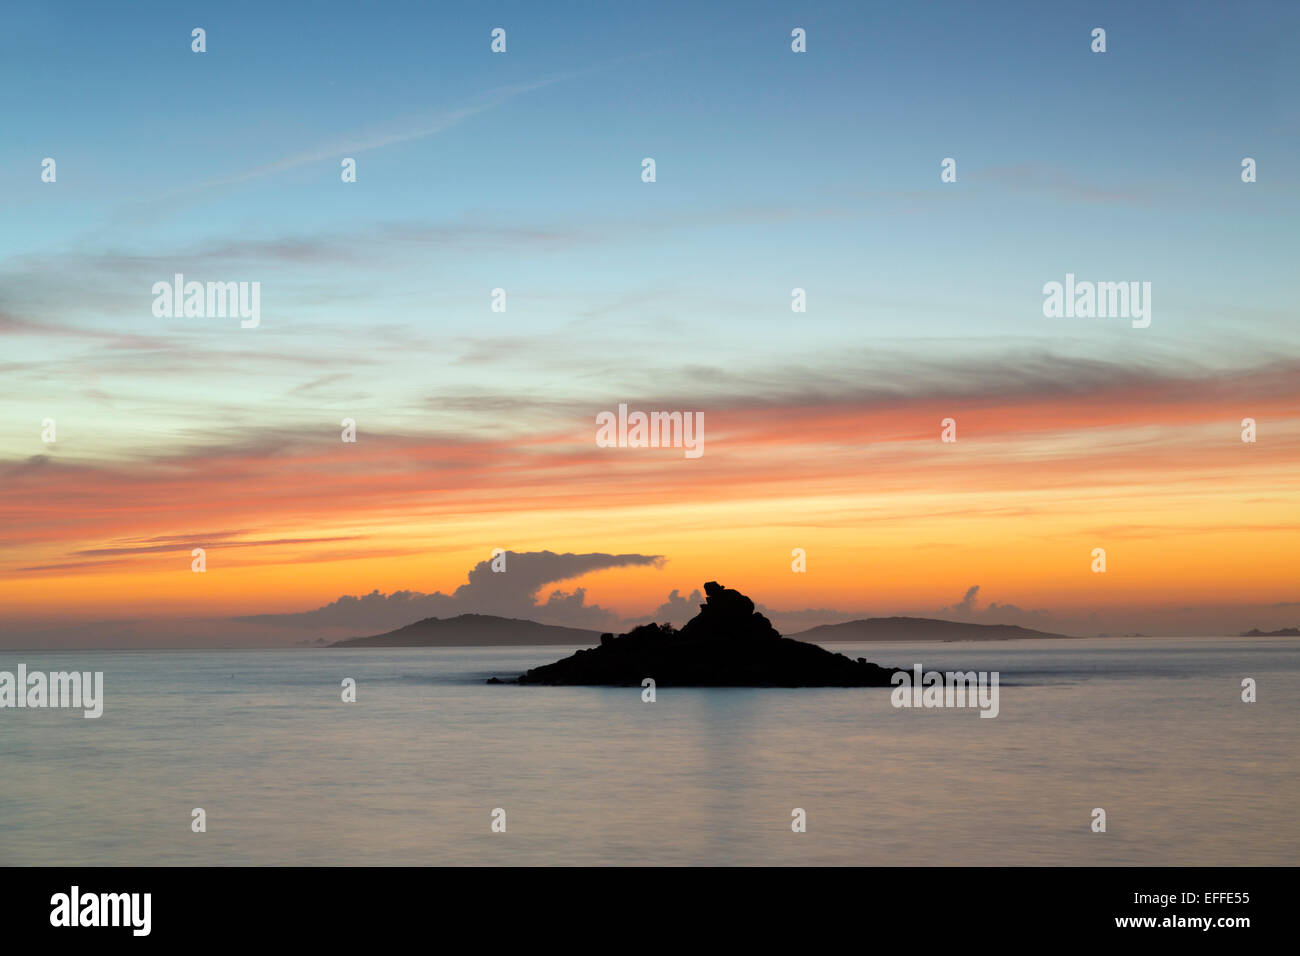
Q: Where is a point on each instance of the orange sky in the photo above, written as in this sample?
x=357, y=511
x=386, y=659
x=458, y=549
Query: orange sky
x=891, y=518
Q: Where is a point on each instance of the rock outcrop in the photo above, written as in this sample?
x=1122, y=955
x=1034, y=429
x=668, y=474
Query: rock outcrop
x=728, y=644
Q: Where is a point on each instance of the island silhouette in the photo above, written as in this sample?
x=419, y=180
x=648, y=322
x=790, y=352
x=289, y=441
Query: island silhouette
x=728, y=644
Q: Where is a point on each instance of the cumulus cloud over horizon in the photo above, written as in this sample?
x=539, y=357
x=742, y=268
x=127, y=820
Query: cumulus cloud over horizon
x=995, y=613
x=510, y=593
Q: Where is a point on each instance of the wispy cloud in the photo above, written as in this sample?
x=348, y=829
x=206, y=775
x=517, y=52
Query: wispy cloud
x=1059, y=184
x=362, y=141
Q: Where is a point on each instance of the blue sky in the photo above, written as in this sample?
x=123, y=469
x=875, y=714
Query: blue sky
x=775, y=170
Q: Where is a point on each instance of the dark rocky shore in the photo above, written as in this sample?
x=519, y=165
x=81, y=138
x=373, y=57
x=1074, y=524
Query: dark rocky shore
x=728, y=644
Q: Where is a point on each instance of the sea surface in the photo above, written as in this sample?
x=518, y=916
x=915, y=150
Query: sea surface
x=1151, y=730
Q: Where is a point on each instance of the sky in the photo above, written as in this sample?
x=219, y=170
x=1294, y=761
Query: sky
x=522, y=171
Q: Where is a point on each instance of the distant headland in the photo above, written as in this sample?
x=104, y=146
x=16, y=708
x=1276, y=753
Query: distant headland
x=473, y=630
x=918, y=629
x=484, y=630
x=728, y=644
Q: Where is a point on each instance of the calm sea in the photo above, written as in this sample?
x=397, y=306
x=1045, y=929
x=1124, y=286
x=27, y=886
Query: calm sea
x=1153, y=731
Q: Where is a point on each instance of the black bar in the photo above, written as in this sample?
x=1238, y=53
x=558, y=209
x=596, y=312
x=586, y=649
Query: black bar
x=564, y=905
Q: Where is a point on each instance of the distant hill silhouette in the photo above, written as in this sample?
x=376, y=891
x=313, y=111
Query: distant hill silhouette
x=728, y=644
x=916, y=629
x=485, y=630
x=473, y=630
x=1284, y=632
